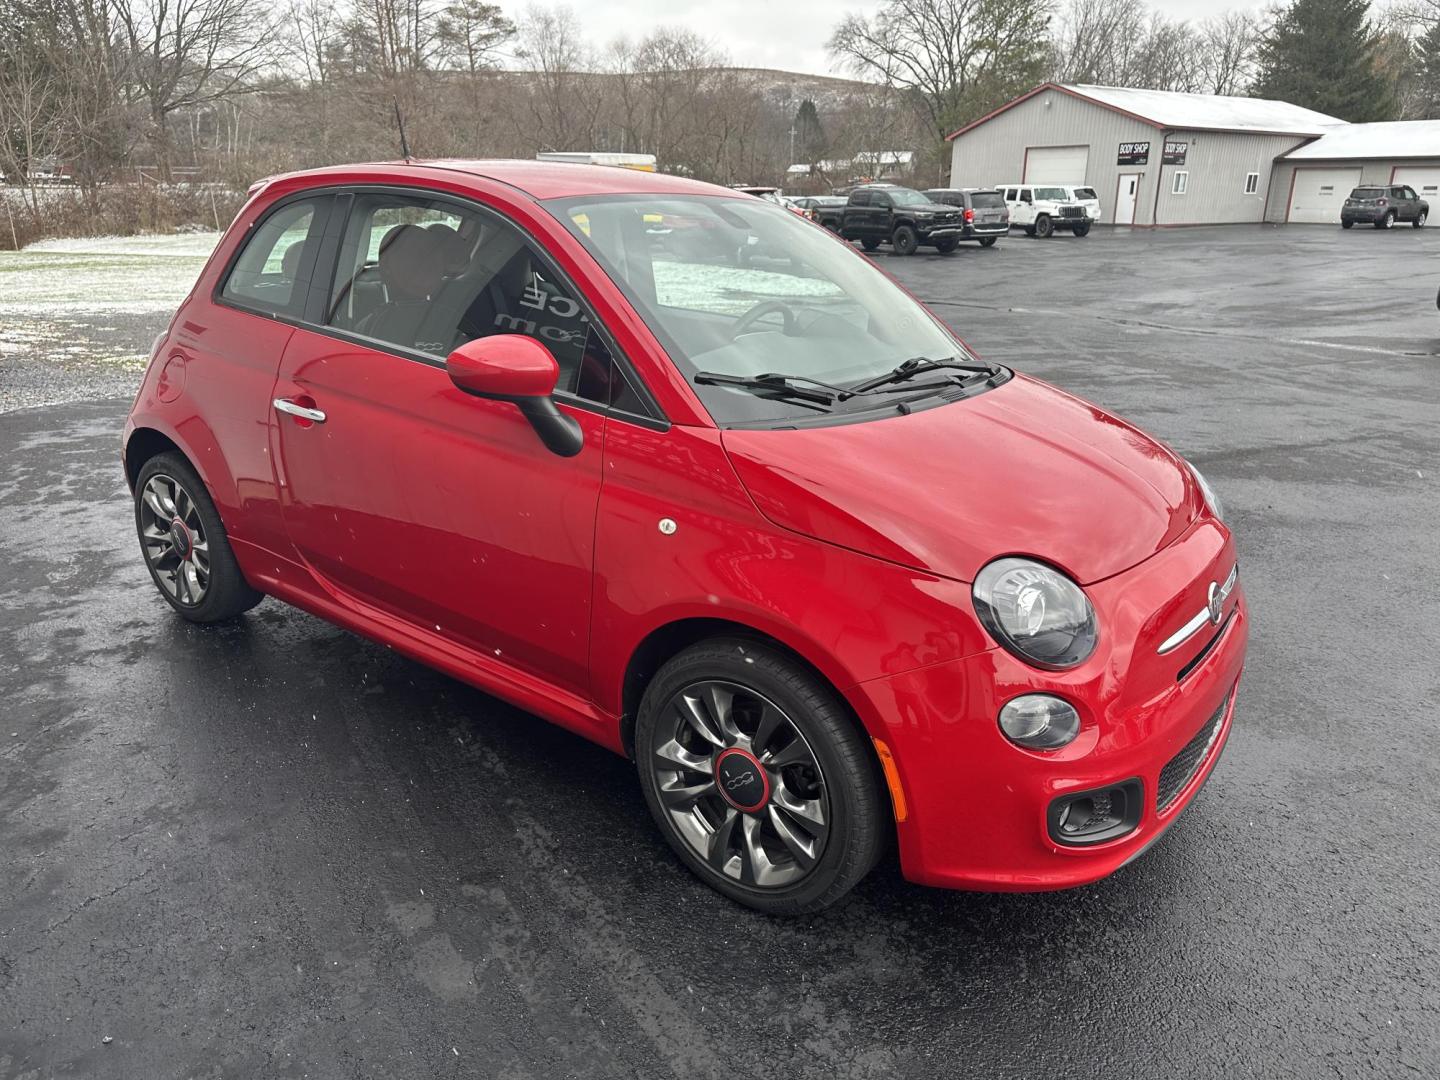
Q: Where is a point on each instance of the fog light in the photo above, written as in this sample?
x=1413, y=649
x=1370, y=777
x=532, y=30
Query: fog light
x=1092, y=817
x=1039, y=722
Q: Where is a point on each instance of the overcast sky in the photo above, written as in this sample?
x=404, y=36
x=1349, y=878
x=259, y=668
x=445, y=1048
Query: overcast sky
x=786, y=34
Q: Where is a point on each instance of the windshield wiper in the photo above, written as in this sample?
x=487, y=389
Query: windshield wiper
x=917, y=365
x=788, y=385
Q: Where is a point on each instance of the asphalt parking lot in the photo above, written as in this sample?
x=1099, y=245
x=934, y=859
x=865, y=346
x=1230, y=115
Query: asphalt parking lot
x=277, y=850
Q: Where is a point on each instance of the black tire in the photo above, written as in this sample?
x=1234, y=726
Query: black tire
x=1387, y=221
x=1419, y=221
x=904, y=241
x=1029, y=230
x=1347, y=224
x=989, y=241
x=870, y=244
x=1081, y=230
x=1044, y=227
x=226, y=593
x=947, y=244
x=853, y=794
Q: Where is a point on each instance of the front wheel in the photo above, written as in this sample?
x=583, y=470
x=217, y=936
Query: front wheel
x=1081, y=230
x=1347, y=224
x=185, y=545
x=1419, y=222
x=947, y=244
x=905, y=241
x=1044, y=226
x=758, y=777
x=1386, y=222
x=989, y=241
x=870, y=244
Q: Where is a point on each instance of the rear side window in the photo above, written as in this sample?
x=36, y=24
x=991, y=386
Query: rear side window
x=274, y=268
x=860, y=198
x=987, y=200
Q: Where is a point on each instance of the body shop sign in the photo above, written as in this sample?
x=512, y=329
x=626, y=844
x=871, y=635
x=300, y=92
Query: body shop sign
x=1174, y=153
x=1133, y=153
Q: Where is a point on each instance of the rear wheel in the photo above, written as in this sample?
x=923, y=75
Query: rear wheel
x=185, y=545
x=758, y=777
x=1419, y=222
x=870, y=244
x=1386, y=222
x=989, y=241
x=946, y=245
x=1043, y=226
x=905, y=241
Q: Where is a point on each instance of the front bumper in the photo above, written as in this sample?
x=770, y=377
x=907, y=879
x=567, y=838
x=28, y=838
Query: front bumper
x=980, y=809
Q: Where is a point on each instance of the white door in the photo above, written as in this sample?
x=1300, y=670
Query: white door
x=1317, y=194
x=1424, y=179
x=1125, y=192
x=1056, y=164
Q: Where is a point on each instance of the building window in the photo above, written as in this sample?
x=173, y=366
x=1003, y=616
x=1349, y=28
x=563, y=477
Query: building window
x=1252, y=183
x=1180, y=183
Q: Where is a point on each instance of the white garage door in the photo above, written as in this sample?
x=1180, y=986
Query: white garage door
x=1056, y=164
x=1318, y=193
x=1424, y=179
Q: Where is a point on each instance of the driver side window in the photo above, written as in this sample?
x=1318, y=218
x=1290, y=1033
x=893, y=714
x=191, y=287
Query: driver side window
x=428, y=275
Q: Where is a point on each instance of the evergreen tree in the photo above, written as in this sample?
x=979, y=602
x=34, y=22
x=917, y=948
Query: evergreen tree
x=809, y=135
x=1427, y=75
x=1322, y=54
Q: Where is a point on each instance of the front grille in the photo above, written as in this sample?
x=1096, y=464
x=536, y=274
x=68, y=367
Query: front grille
x=1072, y=211
x=1182, y=767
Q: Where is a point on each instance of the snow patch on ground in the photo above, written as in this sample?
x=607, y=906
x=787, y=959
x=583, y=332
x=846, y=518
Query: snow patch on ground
x=190, y=245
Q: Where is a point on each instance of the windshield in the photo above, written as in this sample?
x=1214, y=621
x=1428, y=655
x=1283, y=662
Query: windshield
x=742, y=288
x=1053, y=194
x=1088, y=194
x=907, y=197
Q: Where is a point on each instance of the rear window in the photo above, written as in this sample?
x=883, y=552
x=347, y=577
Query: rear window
x=987, y=200
x=1085, y=193
x=1368, y=193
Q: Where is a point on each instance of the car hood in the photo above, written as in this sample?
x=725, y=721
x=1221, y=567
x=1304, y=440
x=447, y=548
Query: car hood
x=1021, y=469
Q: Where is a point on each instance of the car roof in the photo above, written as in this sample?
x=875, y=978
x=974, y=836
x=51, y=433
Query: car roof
x=538, y=179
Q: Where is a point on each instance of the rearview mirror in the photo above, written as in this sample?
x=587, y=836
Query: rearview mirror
x=518, y=369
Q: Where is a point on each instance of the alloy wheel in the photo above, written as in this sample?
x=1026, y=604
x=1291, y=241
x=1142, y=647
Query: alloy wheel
x=740, y=784
x=174, y=540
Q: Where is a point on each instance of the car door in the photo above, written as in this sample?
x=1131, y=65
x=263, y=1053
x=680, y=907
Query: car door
x=882, y=215
x=403, y=493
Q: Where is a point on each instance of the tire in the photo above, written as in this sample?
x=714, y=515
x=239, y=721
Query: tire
x=870, y=244
x=904, y=241
x=1386, y=222
x=1419, y=221
x=808, y=729
x=1044, y=227
x=947, y=245
x=1029, y=230
x=989, y=241
x=1347, y=224
x=1081, y=230
x=204, y=588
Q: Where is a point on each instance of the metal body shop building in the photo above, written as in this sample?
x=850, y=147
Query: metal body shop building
x=1310, y=182
x=1152, y=156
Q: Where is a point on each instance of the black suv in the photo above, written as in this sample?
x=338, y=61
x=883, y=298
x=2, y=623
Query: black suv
x=1384, y=206
x=983, y=213
x=901, y=217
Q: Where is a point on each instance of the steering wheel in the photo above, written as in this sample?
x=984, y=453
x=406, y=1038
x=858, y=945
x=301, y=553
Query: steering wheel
x=758, y=312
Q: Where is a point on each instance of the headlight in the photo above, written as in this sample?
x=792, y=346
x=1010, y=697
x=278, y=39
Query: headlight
x=1216, y=506
x=1035, y=612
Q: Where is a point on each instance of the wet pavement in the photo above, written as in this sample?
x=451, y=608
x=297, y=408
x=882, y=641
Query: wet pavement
x=276, y=850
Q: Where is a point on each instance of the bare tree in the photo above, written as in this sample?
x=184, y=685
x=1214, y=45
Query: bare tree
x=185, y=53
x=1227, y=52
x=955, y=58
x=1124, y=43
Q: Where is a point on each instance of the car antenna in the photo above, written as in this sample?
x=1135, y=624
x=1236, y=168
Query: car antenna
x=400, y=123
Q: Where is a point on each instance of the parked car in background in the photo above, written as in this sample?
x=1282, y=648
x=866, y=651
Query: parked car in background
x=984, y=216
x=1041, y=209
x=830, y=579
x=902, y=217
x=1086, y=197
x=826, y=209
x=1384, y=205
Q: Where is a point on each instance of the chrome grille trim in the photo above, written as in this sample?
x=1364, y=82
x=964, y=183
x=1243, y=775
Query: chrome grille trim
x=1203, y=616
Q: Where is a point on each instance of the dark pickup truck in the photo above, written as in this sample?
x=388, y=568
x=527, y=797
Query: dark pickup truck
x=901, y=217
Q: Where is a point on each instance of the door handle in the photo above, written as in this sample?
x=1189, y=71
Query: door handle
x=285, y=405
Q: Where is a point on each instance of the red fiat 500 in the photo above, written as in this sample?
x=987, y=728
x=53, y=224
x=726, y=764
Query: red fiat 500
x=679, y=471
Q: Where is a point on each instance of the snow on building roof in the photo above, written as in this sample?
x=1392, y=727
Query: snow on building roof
x=1391, y=139
x=1190, y=112
x=1210, y=111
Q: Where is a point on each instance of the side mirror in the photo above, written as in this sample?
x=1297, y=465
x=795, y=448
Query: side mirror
x=518, y=369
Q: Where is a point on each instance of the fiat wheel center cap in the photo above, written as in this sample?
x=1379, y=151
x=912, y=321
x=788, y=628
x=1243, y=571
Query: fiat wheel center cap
x=742, y=780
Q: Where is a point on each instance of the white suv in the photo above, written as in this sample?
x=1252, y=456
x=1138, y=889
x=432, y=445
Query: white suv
x=1040, y=209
